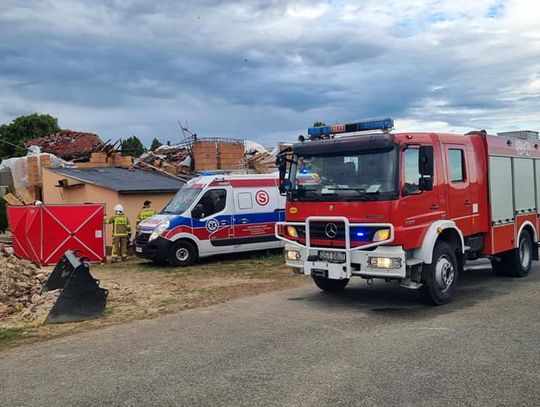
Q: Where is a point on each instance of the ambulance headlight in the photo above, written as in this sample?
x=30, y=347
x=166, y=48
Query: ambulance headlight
x=158, y=230
x=291, y=231
x=381, y=234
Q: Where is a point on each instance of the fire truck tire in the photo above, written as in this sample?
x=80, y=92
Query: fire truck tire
x=183, y=254
x=500, y=265
x=441, y=275
x=330, y=286
x=519, y=260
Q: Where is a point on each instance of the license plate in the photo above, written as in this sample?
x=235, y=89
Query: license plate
x=332, y=257
x=138, y=249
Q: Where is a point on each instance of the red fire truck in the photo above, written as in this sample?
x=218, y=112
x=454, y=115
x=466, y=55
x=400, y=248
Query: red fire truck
x=414, y=207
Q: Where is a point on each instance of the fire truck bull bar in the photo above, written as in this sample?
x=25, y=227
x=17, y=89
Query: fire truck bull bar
x=345, y=269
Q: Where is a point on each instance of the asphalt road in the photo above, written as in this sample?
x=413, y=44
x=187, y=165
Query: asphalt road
x=371, y=346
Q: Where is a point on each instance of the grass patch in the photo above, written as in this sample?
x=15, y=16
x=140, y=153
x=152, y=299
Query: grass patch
x=11, y=333
x=247, y=265
x=109, y=310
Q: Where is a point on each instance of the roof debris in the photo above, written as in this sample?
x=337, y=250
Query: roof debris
x=71, y=145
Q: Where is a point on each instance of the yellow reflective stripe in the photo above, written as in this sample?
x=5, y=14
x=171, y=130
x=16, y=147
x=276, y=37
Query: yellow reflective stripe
x=146, y=214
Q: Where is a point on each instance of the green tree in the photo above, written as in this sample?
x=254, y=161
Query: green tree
x=319, y=124
x=25, y=128
x=132, y=146
x=155, y=144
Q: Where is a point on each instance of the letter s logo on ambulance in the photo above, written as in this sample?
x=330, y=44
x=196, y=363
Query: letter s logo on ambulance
x=212, y=225
x=262, y=198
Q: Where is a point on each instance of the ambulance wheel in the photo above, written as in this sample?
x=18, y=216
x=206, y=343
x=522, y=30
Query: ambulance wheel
x=441, y=275
x=183, y=254
x=329, y=285
x=519, y=260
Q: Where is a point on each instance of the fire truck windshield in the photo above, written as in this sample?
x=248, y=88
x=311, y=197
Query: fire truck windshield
x=182, y=200
x=353, y=176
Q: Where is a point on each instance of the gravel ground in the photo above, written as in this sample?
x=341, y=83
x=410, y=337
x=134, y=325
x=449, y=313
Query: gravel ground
x=370, y=346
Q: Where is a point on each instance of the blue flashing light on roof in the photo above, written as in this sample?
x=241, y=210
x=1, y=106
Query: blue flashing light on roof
x=213, y=172
x=379, y=124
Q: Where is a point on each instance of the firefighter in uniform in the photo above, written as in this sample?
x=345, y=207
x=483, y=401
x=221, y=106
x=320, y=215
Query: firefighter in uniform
x=121, y=233
x=146, y=212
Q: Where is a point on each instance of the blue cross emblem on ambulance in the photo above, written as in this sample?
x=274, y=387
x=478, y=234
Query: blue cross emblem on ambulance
x=212, y=225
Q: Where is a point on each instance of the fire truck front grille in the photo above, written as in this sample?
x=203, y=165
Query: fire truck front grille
x=142, y=238
x=327, y=230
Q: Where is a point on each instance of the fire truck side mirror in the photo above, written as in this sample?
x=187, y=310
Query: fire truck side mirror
x=285, y=186
x=425, y=184
x=425, y=161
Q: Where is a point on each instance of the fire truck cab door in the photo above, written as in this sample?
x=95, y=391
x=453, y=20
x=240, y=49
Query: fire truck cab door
x=419, y=208
x=461, y=209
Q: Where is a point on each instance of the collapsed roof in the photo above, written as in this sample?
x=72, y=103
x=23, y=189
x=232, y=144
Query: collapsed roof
x=68, y=145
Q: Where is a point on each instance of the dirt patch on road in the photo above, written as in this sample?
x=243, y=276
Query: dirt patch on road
x=139, y=290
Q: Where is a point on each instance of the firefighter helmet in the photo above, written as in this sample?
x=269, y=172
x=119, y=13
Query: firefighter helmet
x=118, y=209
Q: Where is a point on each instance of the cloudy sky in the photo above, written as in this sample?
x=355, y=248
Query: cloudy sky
x=266, y=70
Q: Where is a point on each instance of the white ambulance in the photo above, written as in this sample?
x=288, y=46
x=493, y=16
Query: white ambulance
x=214, y=214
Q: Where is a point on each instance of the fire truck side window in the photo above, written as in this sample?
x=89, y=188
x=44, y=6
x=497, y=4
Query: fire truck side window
x=411, y=171
x=456, y=164
x=212, y=202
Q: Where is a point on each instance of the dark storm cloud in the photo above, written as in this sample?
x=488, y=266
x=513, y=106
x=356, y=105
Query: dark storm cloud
x=238, y=67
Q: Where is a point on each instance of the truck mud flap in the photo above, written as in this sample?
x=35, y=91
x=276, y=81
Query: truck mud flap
x=81, y=297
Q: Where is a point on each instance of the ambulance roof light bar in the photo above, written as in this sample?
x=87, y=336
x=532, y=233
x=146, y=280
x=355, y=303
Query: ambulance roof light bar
x=369, y=125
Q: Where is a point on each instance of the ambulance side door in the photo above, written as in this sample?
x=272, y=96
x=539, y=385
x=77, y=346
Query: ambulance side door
x=213, y=222
x=256, y=211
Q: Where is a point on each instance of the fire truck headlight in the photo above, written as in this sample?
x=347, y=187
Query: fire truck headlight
x=381, y=234
x=385, y=262
x=292, y=255
x=291, y=231
x=158, y=231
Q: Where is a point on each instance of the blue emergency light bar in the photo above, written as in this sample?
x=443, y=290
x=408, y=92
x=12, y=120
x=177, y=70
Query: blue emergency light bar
x=380, y=124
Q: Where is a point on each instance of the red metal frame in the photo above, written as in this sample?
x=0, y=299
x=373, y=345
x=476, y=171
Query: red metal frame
x=43, y=233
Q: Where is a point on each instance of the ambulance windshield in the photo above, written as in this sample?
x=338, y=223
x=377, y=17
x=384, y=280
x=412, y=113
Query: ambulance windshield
x=352, y=176
x=182, y=200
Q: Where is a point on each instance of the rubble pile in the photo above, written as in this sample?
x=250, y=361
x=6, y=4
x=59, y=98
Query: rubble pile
x=259, y=158
x=174, y=160
x=20, y=290
x=72, y=145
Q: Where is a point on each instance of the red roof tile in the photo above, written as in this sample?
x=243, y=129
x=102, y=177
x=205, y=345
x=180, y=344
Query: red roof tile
x=67, y=144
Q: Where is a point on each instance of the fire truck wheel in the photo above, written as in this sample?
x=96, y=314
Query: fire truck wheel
x=329, y=285
x=500, y=265
x=442, y=274
x=519, y=260
x=183, y=254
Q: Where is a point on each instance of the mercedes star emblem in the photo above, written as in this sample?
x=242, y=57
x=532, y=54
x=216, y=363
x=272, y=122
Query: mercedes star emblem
x=331, y=230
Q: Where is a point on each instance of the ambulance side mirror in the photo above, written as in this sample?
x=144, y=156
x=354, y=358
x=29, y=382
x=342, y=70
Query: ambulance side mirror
x=197, y=212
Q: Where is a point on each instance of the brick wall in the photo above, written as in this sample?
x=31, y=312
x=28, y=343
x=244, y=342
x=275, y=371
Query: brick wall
x=220, y=155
